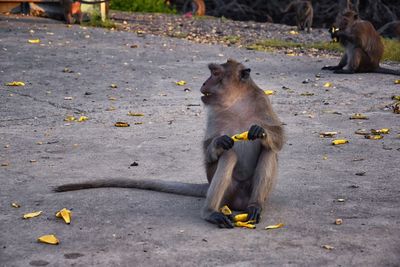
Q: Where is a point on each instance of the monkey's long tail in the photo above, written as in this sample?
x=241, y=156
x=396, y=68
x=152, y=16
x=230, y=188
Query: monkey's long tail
x=387, y=71
x=178, y=188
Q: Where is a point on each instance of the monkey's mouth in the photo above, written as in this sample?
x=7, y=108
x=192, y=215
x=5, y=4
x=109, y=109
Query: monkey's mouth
x=206, y=96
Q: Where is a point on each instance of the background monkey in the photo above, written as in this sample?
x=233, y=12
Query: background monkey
x=196, y=7
x=304, y=14
x=240, y=174
x=363, y=45
x=72, y=9
x=391, y=30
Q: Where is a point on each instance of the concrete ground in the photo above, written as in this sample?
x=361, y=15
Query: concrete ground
x=122, y=227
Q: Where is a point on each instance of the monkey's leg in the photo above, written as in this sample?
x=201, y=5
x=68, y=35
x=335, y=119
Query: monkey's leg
x=263, y=181
x=219, y=184
x=68, y=17
x=342, y=64
x=354, y=62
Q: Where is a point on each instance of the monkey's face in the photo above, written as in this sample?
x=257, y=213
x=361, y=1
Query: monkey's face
x=211, y=88
x=345, y=19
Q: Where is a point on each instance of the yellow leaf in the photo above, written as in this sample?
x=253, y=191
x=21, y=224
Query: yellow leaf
x=325, y=157
x=130, y=113
x=293, y=32
x=83, y=118
x=34, y=41
x=240, y=137
x=245, y=225
x=49, y=239
x=397, y=82
x=396, y=97
x=328, y=84
x=15, y=83
x=111, y=98
x=180, y=83
x=274, y=226
x=32, y=214
x=121, y=124
x=291, y=54
x=269, y=92
x=65, y=214
x=339, y=142
x=226, y=210
x=15, y=205
x=70, y=118
x=374, y=136
x=338, y=221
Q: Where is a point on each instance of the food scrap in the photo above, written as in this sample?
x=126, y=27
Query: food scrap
x=130, y=113
x=49, y=239
x=269, y=92
x=121, y=124
x=34, y=41
x=358, y=116
x=248, y=225
x=380, y=131
x=274, y=226
x=15, y=83
x=65, y=214
x=15, y=205
x=339, y=142
x=32, y=214
x=240, y=137
x=374, y=136
x=327, y=134
x=180, y=83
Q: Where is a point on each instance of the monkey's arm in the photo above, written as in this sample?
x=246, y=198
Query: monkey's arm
x=215, y=147
x=342, y=64
x=271, y=136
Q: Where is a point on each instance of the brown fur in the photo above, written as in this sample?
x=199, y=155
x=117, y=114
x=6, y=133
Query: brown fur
x=195, y=7
x=362, y=43
x=304, y=14
x=243, y=176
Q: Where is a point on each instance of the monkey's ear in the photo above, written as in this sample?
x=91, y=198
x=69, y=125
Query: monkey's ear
x=245, y=74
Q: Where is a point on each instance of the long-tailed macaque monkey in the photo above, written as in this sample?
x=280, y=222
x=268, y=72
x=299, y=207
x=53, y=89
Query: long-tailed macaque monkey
x=304, y=14
x=391, y=30
x=362, y=43
x=195, y=7
x=240, y=174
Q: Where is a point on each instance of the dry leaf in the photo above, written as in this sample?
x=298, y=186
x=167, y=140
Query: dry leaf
x=5, y=164
x=49, y=239
x=361, y=132
x=307, y=94
x=32, y=214
x=15, y=83
x=34, y=41
x=274, y=226
x=130, y=113
x=110, y=109
x=328, y=84
x=180, y=83
x=291, y=54
x=396, y=108
x=374, y=136
x=338, y=221
x=138, y=123
x=111, y=98
x=113, y=85
x=328, y=247
x=293, y=32
x=396, y=97
x=380, y=131
x=70, y=118
x=65, y=214
x=396, y=81
x=339, y=142
x=327, y=134
x=83, y=118
x=121, y=124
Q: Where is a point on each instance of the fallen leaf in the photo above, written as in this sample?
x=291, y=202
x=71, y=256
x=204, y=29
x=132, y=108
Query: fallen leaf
x=328, y=84
x=396, y=97
x=307, y=94
x=339, y=142
x=130, y=113
x=83, y=118
x=358, y=116
x=325, y=157
x=15, y=83
x=110, y=109
x=15, y=205
x=121, y=124
x=32, y=160
x=5, y=164
x=338, y=221
x=138, y=123
x=396, y=81
x=70, y=118
x=32, y=214
x=362, y=132
x=111, y=98
x=396, y=108
x=113, y=85
x=291, y=54
x=49, y=239
x=65, y=214
x=340, y=199
x=34, y=41
x=245, y=225
x=274, y=226
x=294, y=32
x=180, y=83
x=68, y=98
x=269, y=92
x=328, y=247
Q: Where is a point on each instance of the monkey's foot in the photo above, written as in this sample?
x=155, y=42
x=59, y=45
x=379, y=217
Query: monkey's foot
x=220, y=219
x=331, y=68
x=254, y=213
x=343, y=71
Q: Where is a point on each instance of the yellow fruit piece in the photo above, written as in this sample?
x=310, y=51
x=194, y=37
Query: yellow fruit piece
x=274, y=226
x=121, y=124
x=269, y=92
x=339, y=142
x=130, y=113
x=245, y=225
x=358, y=116
x=15, y=205
x=32, y=214
x=226, y=210
x=241, y=217
x=34, y=41
x=65, y=214
x=180, y=83
x=83, y=118
x=328, y=84
x=327, y=134
x=70, y=118
x=380, y=131
x=241, y=137
x=374, y=136
x=49, y=239
x=15, y=83
x=397, y=82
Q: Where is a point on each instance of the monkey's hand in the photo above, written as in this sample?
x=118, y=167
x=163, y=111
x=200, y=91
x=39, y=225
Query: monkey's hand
x=254, y=213
x=220, y=219
x=224, y=142
x=332, y=67
x=256, y=132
